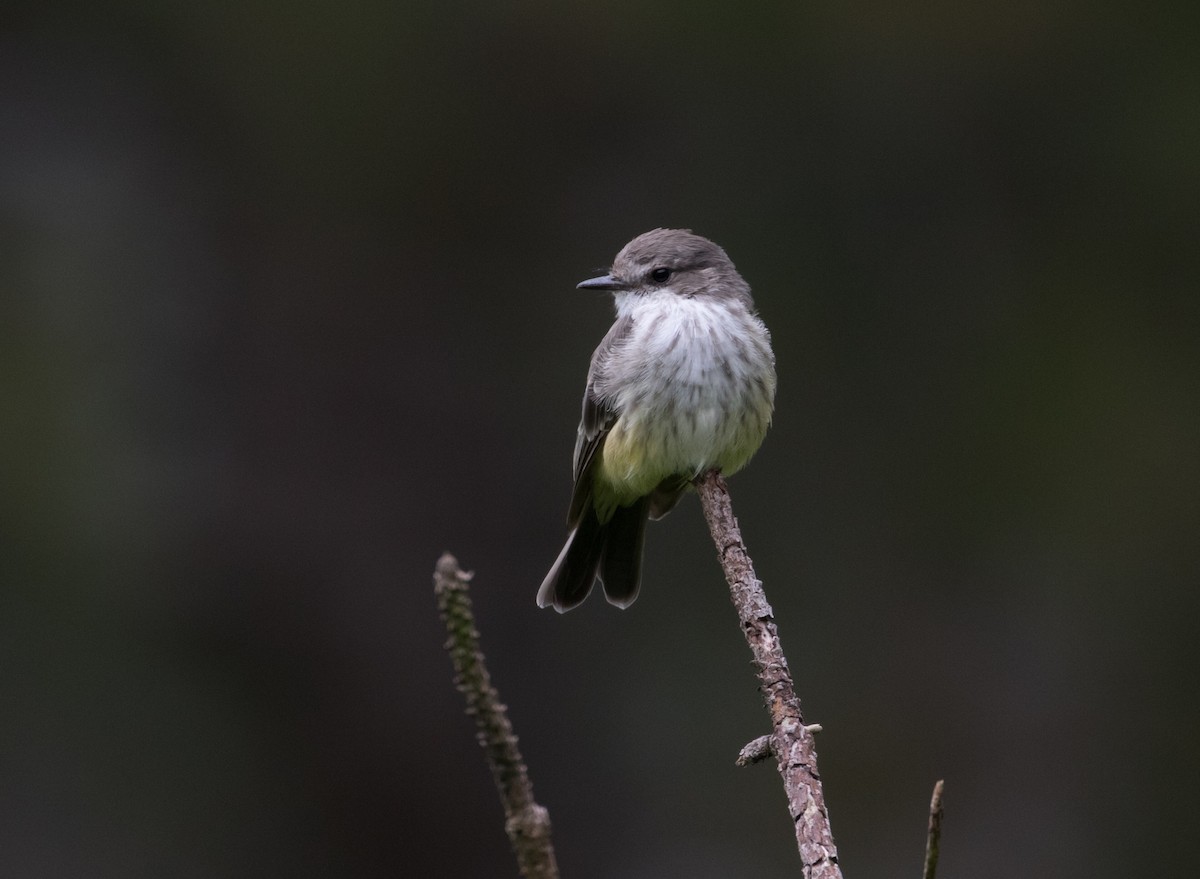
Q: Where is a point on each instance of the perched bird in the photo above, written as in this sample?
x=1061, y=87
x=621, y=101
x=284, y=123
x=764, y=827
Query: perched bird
x=683, y=383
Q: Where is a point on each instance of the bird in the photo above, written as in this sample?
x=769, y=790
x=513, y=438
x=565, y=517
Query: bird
x=683, y=383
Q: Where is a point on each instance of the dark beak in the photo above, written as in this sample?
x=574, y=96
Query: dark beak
x=604, y=282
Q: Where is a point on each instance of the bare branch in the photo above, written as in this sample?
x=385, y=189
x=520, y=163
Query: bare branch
x=935, y=831
x=526, y=822
x=791, y=741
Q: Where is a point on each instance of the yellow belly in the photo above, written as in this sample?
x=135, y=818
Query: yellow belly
x=639, y=453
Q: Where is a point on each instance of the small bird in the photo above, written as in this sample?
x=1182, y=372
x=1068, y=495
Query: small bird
x=683, y=383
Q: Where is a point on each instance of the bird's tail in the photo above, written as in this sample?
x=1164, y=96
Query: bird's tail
x=611, y=551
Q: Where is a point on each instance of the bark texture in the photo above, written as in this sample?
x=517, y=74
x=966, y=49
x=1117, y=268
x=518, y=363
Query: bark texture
x=792, y=742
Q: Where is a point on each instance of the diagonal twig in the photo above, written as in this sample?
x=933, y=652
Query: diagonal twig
x=791, y=741
x=526, y=822
x=935, y=831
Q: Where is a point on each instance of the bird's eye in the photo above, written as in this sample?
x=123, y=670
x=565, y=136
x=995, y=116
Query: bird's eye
x=660, y=274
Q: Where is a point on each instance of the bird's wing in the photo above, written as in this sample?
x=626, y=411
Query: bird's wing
x=597, y=420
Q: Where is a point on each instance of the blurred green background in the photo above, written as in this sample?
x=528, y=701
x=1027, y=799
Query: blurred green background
x=288, y=309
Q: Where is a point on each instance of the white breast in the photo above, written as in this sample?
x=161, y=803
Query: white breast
x=693, y=385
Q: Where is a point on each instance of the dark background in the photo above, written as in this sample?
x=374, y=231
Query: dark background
x=288, y=309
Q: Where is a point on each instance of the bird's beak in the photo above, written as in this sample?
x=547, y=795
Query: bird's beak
x=604, y=282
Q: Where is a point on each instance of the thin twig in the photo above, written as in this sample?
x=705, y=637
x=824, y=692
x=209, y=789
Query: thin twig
x=935, y=831
x=526, y=822
x=755, y=751
x=791, y=741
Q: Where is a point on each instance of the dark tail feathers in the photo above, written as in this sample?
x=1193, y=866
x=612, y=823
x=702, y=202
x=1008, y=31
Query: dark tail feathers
x=612, y=551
